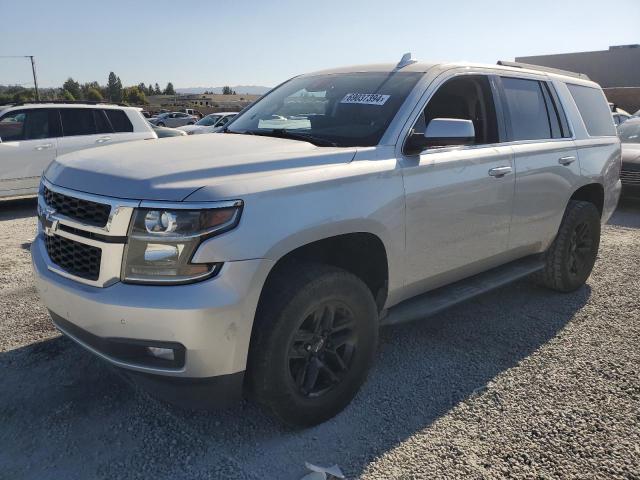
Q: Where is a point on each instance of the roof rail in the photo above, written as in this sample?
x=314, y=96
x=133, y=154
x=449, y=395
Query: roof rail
x=73, y=102
x=543, y=69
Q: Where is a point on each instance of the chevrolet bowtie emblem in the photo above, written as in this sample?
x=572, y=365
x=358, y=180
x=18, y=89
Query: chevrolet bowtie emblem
x=49, y=222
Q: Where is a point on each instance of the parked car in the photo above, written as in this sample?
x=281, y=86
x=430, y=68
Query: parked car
x=173, y=119
x=263, y=260
x=619, y=118
x=212, y=123
x=629, y=133
x=165, y=132
x=33, y=134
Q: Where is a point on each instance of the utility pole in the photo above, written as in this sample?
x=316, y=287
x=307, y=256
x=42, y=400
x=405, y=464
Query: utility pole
x=35, y=78
x=33, y=69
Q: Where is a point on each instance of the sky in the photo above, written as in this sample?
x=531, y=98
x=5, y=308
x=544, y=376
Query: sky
x=263, y=42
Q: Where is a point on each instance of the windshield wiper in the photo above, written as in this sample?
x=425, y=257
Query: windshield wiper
x=285, y=133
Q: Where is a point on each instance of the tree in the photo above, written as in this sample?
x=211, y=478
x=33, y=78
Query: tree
x=156, y=90
x=114, y=88
x=169, y=90
x=134, y=95
x=85, y=87
x=150, y=90
x=72, y=87
x=66, y=95
x=226, y=90
x=93, y=95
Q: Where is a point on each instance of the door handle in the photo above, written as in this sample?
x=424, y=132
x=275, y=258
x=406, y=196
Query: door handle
x=566, y=160
x=103, y=139
x=500, y=172
x=44, y=146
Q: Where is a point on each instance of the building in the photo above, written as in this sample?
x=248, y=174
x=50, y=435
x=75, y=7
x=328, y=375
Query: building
x=204, y=103
x=617, y=70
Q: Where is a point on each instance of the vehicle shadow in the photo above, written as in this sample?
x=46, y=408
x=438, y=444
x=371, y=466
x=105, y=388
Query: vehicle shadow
x=627, y=214
x=65, y=413
x=20, y=208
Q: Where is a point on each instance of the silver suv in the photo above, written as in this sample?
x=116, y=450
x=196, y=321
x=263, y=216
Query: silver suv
x=263, y=260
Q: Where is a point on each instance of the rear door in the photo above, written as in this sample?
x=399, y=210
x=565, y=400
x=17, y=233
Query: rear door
x=546, y=166
x=29, y=144
x=82, y=128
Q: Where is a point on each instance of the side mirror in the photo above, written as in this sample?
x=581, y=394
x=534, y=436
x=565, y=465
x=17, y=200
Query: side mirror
x=441, y=132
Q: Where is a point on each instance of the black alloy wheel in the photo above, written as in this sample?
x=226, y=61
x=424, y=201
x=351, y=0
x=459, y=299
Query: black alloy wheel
x=322, y=349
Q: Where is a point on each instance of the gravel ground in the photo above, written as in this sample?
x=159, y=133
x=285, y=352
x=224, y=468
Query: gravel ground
x=520, y=383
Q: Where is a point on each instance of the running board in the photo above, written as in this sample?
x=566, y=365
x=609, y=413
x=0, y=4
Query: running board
x=444, y=297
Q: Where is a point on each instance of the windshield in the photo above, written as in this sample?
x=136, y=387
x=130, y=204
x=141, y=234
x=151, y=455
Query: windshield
x=208, y=120
x=347, y=109
x=629, y=132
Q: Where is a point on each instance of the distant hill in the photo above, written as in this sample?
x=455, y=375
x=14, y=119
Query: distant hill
x=248, y=89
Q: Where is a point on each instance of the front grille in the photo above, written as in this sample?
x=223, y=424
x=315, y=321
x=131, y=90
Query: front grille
x=630, y=177
x=75, y=258
x=85, y=211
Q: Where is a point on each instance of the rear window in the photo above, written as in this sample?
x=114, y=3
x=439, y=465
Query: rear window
x=119, y=120
x=594, y=110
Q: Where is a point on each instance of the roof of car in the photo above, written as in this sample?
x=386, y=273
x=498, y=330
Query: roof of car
x=423, y=67
x=56, y=104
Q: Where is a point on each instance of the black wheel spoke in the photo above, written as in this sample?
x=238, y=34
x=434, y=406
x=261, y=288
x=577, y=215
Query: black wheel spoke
x=311, y=374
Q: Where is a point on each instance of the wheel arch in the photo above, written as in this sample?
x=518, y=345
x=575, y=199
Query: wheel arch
x=592, y=193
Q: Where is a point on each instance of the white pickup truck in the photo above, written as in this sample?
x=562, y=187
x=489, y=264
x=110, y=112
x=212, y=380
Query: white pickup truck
x=263, y=260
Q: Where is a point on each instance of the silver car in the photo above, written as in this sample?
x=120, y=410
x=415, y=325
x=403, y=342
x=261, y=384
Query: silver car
x=173, y=119
x=264, y=259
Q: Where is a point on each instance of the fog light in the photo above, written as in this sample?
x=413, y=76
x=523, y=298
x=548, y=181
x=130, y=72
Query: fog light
x=164, y=353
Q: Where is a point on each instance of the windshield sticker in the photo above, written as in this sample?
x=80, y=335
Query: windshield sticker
x=365, y=98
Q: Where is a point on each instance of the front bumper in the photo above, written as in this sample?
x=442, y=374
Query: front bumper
x=211, y=319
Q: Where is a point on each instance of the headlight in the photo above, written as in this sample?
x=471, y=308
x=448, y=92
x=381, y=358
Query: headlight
x=163, y=240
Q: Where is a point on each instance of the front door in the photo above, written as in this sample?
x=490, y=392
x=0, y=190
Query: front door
x=28, y=145
x=458, y=199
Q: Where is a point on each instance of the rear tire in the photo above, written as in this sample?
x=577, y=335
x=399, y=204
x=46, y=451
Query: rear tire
x=571, y=257
x=314, y=340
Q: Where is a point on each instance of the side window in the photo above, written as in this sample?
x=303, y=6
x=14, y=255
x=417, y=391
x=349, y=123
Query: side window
x=527, y=105
x=102, y=124
x=37, y=126
x=467, y=98
x=119, y=121
x=223, y=121
x=594, y=110
x=12, y=126
x=77, y=121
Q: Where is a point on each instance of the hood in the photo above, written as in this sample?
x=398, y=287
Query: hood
x=173, y=168
x=190, y=128
x=631, y=153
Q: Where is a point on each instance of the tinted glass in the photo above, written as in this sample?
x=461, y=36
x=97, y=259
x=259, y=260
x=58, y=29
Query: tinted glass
x=102, y=124
x=119, y=121
x=345, y=109
x=77, y=121
x=37, y=126
x=527, y=109
x=12, y=126
x=594, y=110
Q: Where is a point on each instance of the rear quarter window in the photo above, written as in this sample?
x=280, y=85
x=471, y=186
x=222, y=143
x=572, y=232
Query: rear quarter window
x=119, y=121
x=594, y=110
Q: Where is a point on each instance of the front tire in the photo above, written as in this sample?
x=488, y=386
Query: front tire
x=314, y=340
x=571, y=257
